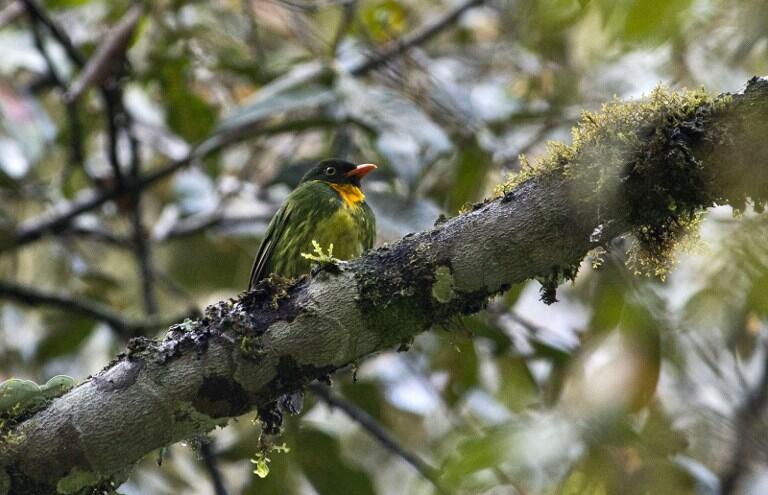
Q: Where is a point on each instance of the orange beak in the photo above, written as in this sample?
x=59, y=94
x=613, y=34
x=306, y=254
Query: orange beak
x=362, y=170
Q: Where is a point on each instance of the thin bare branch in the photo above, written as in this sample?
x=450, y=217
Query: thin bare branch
x=141, y=245
x=369, y=424
x=416, y=38
x=77, y=156
x=58, y=219
x=36, y=10
x=97, y=311
x=208, y=453
x=748, y=417
x=109, y=55
x=10, y=13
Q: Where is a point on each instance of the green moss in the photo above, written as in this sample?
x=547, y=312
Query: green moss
x=187, y=420
x=250, y=347
x=644, y=147
x=553, y=278
x=76, y=481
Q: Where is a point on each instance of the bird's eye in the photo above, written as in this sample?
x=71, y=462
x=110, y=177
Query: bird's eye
x=330, y=171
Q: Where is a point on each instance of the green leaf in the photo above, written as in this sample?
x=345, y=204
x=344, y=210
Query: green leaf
x=518, y=389
x=188, y=114
x=64, y=4
x=65, y=334
x=366, y=395
x=478, y=452
x=654, y=20
x=458, y=357
x=385, y=19
x=320, y=458
x=472, y=166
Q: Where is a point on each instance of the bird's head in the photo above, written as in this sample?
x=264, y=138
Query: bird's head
x=339, y=172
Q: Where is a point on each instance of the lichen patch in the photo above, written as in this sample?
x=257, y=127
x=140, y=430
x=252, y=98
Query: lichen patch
x=443, y=286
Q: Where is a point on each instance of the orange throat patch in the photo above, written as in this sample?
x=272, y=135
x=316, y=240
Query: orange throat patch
x=350, y=194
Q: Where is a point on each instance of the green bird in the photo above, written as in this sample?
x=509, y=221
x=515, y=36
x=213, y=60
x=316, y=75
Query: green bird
x=327, y=207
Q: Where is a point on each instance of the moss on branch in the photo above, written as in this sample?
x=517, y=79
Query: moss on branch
x=659, y=150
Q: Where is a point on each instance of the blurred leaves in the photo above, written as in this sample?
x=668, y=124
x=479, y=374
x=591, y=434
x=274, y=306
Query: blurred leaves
x=65, y=335
x=322, y=462
x=64, y=4
x=187, y=112
x=384, y=20
x=654, y=20
x=406, y=137
x=25, y=128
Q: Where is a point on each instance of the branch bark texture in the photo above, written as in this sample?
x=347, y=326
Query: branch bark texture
x=247, y=352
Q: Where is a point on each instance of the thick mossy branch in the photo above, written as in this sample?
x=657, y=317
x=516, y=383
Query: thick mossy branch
x=647, y=168
x=671, y=154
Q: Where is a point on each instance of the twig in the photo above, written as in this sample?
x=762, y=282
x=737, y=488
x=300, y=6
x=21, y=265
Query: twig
x=112, y=98
x=36, y=297
x=212, y=466
x=198, y=224
x=56, y=221
x=10, y=13
x=348, y=10
x=414, y=39
x=370, y=425
x=184, y=228
x=75, y=130
x=310, y=6
x=142, y=248
x=34, y=9
x=109, y=54
x=252, y=37
x=748, y=416
x=101, y=70
x=97, y=234
x=112, y=102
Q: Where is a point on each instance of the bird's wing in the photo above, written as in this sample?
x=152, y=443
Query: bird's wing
x=267, y=247
x=368, y=228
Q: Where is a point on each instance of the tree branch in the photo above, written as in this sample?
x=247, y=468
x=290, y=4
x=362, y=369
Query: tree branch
x=386, y=440
x=246, y=353
x=77, y=156
x=37, y=11
x=208, y=453
x=59, y=218
x=748, y=417
x=36, y=297
x=418, y=37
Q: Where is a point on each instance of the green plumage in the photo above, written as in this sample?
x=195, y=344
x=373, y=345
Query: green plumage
x=313, y=211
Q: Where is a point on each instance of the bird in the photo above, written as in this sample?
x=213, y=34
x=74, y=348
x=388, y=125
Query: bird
x=327, y=207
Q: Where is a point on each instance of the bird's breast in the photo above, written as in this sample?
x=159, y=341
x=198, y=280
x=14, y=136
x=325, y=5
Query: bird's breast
x=342, y=229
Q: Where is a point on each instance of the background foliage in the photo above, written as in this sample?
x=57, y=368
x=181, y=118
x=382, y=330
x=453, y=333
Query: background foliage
x=627, y=385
